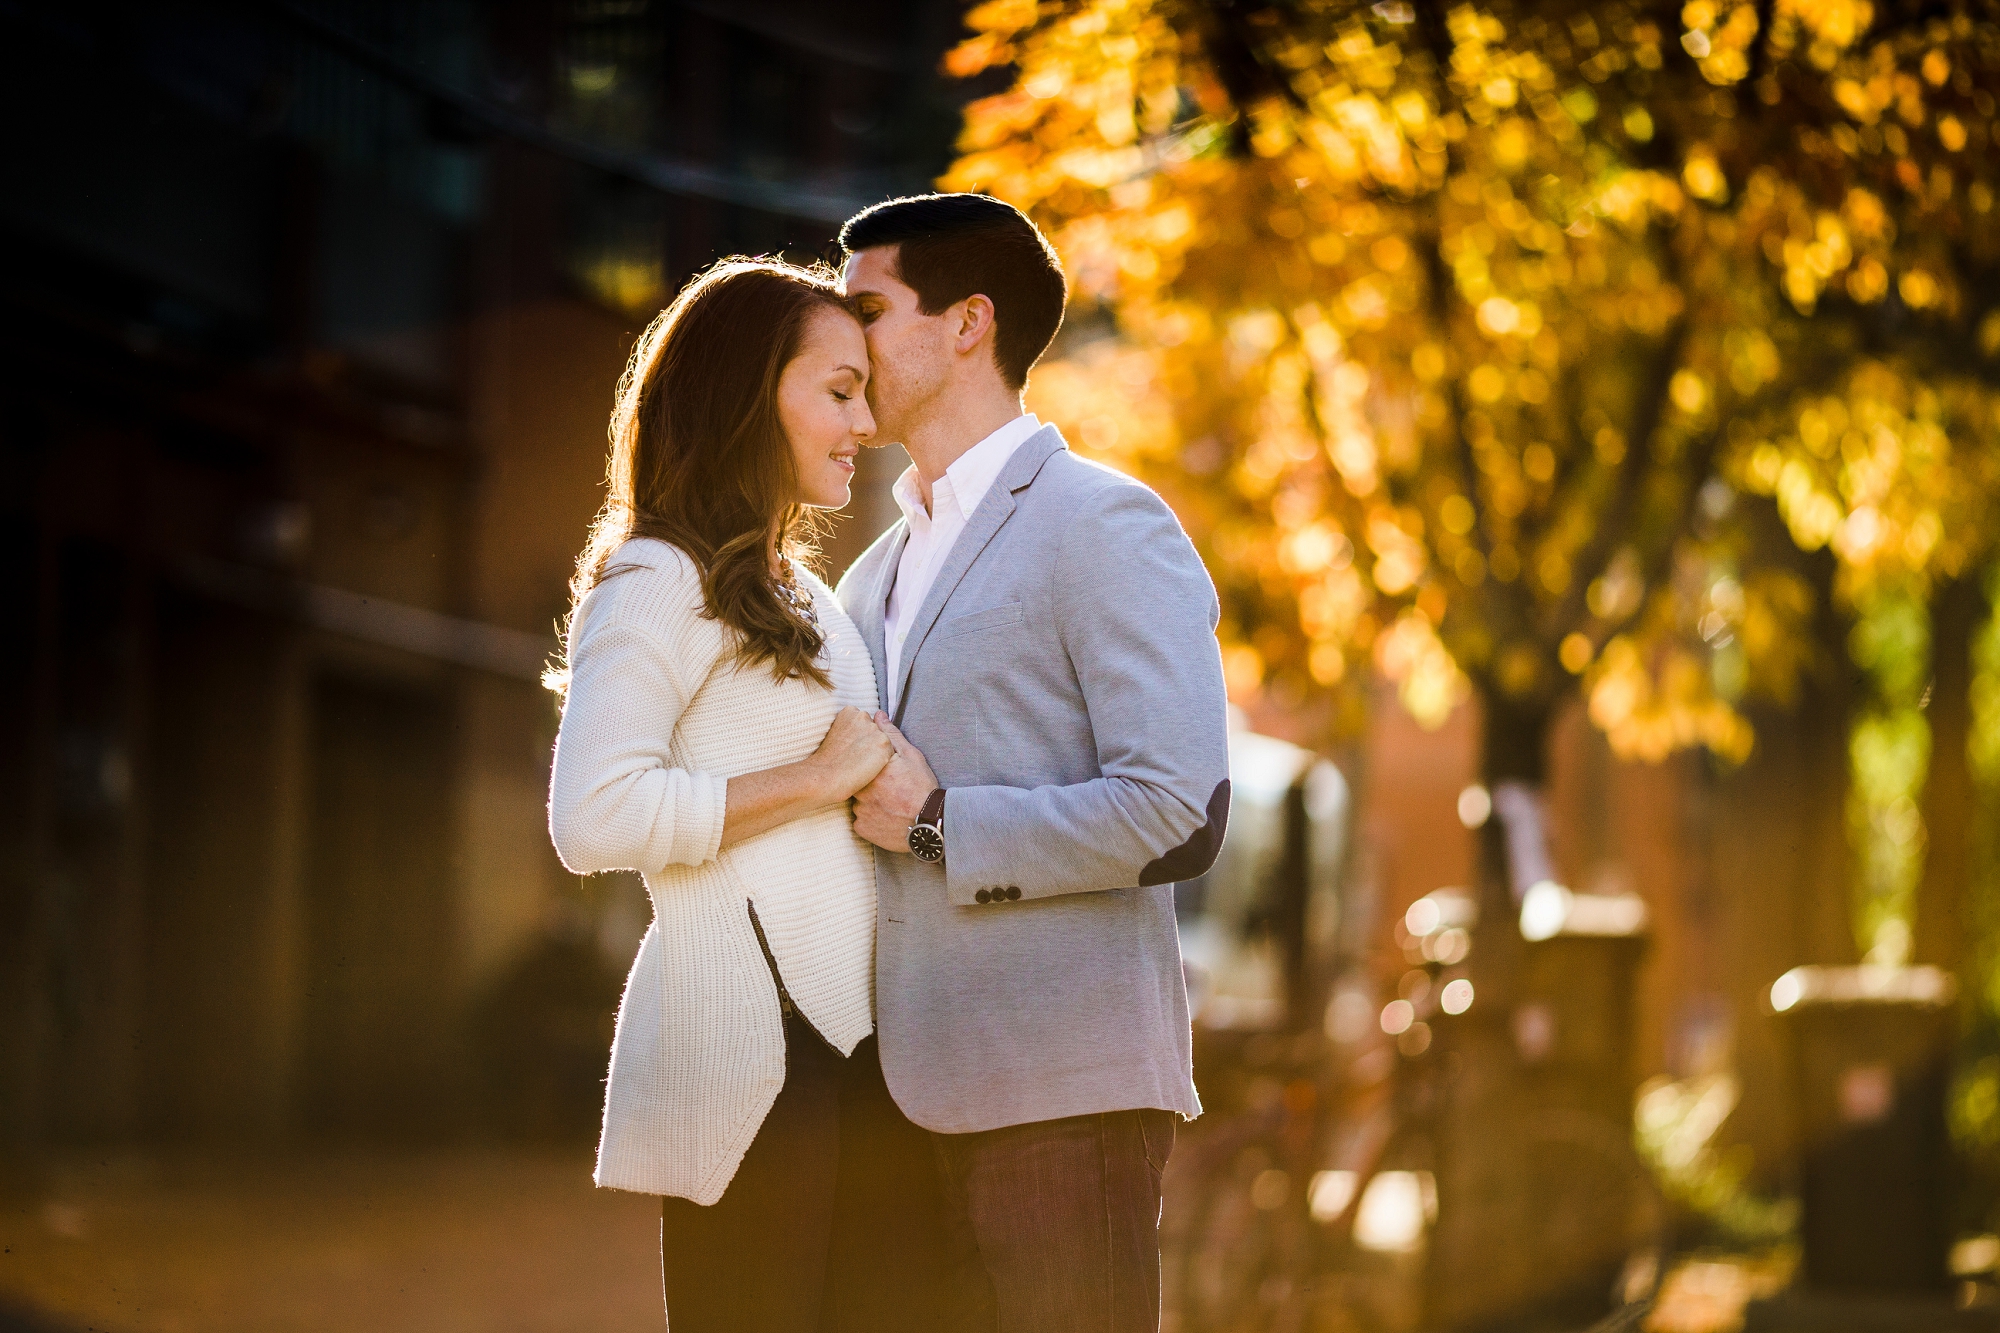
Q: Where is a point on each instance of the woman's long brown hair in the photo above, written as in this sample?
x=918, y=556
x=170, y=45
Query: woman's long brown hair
x=700, y=459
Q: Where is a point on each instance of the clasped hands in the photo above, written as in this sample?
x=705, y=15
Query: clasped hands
x=870, y=761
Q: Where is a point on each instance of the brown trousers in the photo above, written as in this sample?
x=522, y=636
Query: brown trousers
x=831, y=1224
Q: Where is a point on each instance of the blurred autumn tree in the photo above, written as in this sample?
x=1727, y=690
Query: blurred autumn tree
x=1497, y=343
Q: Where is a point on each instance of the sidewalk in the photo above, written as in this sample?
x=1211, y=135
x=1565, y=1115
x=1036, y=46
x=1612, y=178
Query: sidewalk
x=485, y=1241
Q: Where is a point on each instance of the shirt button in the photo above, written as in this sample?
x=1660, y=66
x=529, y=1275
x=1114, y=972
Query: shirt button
x=983, y=896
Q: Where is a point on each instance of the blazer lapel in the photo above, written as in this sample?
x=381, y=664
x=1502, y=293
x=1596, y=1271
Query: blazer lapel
x=873, y=609
x=986, y=522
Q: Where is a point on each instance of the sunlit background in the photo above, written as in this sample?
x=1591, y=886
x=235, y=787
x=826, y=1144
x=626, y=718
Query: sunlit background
x=1590, y=414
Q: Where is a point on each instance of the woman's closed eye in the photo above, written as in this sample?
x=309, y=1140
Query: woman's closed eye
x=847, y=384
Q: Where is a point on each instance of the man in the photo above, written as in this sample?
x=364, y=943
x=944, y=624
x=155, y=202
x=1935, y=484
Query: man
x=1044, y=636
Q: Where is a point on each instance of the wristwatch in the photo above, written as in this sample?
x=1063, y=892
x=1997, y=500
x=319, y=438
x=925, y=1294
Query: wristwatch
x=927, y=834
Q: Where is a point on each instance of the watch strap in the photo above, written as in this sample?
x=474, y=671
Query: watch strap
x=933, y=810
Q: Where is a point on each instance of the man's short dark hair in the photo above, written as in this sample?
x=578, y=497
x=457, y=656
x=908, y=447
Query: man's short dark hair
x=951, y=246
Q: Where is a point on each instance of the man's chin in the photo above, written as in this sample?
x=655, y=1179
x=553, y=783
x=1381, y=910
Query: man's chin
x=890, y=426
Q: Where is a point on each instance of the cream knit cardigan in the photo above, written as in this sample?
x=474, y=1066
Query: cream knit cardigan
x=659, y=717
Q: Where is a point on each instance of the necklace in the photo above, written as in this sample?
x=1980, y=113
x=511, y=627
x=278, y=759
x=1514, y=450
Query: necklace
x=799, y=599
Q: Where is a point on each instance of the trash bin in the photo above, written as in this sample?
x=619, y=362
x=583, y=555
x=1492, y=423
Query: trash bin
x=1576, y=1019
x=1870, y=1049
x=1542, y=1199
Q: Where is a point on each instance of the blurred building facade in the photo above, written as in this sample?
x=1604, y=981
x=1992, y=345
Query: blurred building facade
x=312, y=314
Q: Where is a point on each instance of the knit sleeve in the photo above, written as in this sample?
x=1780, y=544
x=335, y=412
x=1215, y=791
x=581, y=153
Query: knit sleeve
x=615, y=801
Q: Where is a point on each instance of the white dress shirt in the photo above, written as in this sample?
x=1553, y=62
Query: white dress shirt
x=934, y=531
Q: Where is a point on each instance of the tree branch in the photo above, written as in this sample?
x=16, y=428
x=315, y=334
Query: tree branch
x=1237, y=55
x=1760, y=54
x=1654, y=568
x=1595, y=557
x=1439, y=281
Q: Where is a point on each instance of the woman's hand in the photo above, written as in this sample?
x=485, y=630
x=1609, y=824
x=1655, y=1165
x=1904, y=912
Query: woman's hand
x=847, y=760
x=854, y=751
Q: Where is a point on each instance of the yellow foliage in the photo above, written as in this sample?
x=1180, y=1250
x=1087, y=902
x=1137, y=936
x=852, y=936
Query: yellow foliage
x=1895, y=470
x=1649, y=709
x=1469, y=351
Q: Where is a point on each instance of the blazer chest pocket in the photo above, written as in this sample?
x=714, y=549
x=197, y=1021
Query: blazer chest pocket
x=993, y=617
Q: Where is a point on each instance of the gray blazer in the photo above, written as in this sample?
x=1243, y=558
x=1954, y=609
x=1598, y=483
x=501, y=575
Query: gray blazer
x=1063, y=679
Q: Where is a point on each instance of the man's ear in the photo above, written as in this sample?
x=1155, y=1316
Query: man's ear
x=975, y=321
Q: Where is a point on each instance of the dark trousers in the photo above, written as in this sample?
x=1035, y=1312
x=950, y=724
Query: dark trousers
x=1054, y=1227
x=831, y=1223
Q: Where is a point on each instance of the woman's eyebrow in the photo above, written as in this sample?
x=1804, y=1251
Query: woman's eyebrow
x=858, y=374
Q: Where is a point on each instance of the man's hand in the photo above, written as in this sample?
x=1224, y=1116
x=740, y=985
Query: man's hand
x=885, y=809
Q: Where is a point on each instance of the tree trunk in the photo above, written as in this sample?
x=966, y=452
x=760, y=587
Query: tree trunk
x=1514, y=742
x=1514, y=763
x=1940, y=931
x=1514, y=739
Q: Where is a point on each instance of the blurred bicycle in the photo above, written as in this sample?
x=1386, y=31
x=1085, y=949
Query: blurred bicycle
x=1408, y=1168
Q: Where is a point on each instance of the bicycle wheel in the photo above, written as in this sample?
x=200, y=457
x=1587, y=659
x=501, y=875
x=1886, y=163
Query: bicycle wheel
x=1383, y=1246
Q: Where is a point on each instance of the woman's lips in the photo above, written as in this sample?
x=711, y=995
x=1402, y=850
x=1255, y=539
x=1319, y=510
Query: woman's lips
x=845, y=461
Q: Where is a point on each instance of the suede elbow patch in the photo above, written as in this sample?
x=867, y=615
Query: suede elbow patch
x=1197, y=854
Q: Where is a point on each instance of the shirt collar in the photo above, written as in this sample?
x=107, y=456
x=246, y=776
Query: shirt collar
x=970, y=475
x=911, y=500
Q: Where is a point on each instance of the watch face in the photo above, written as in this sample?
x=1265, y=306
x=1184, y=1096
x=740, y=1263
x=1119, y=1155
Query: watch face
x=927, y=843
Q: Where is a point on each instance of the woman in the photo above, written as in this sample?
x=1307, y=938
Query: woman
x=717, y=718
